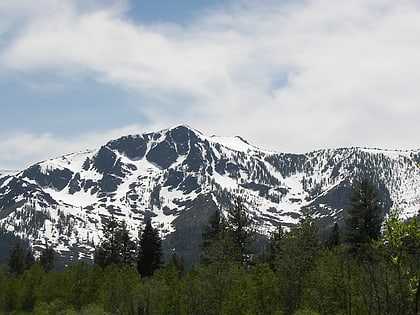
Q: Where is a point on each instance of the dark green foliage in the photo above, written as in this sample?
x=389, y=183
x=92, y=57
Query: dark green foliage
x=29, y=259
x=19, y=259
x=334, y=237
x=116, y=246
x=227, y=240
x=299, y=249
x=47, y=258
x=365, y=214
x=212, y=230
x=239, y=231
x=109, y=250
x=150, y=251
x=7, y=241
x=178, y=262
x=274, y=247
x=15, y=260
x=128, y=246
x=307, y=278
x=213, y=233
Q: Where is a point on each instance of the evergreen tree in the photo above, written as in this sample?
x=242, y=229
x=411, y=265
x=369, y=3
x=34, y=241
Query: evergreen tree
x=100, y=257
x=47, y=258
x=239, y=231
x=178, y=262
x=112, y=243
x=299, y=248
x=150, y=251
x=15, y=261
x=365, y=214
x=116, y=247
x=29, y=259
x=334, y=237
x=274, y=247
x=212, y=230
x=128, y=246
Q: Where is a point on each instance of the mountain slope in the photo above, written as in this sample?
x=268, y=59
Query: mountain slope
x=179, y=176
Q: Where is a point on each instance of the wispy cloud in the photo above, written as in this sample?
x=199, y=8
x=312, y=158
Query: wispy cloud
x=292, y=75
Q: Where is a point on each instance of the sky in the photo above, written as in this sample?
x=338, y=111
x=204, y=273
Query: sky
x=287, y=75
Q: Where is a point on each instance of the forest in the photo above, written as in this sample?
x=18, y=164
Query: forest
x=368, y=265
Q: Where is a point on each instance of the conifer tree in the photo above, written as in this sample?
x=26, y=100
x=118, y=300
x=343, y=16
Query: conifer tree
x=150, y=251
x=47, y=258
x=239, y=231
x=15, y=261
x=334, y=237
x=365, y=214
x=216, y=243
x=178, y=262
x=116, y=246
x=212, y=230
x=274, y=247
x=128, y=246
x=299, y=250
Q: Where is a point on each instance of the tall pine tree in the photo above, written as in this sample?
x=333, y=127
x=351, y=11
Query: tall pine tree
x=212, y=230
x=116, y=246
x=334, y=237
x=364, y=215
x=15, y=261
x=47, y=258
x=274, y=247
x=212, y=233
x=240, y=231
x=128, y=246
x=150, y=251
x=19, y=259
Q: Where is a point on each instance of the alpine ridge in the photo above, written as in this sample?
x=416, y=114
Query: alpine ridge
x=178, y=177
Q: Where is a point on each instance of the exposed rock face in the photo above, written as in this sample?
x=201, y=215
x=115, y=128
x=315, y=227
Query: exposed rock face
x=178, y=177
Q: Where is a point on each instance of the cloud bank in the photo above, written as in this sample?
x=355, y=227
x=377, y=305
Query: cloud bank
x=286, y=75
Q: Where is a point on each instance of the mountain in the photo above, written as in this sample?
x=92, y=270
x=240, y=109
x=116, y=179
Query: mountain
x=179, y=176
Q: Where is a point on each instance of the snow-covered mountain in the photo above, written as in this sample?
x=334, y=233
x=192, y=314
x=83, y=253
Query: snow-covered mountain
x=179, y=176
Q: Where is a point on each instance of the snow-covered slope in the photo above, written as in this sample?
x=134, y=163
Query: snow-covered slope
x=178, y=176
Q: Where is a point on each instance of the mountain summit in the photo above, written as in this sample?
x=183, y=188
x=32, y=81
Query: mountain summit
x=178, y=177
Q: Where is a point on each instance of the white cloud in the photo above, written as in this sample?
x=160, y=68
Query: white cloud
x=293, y=76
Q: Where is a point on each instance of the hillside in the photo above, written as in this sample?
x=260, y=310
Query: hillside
x=179, y=176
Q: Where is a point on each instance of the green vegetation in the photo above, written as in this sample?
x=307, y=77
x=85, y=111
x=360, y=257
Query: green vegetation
x=368, y=273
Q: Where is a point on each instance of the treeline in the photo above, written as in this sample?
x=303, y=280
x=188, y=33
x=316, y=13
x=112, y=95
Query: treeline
x=360, y=269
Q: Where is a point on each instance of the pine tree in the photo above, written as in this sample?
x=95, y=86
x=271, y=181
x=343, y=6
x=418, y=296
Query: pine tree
x=178, y=262
x=299, y=249
x=116, y=246
x=112, y=243
x=240, y=231
x=150, y=251
x=365, y=214
x=128, y=246
x=334, y=237
x=15, y=261
x=47, y=258
x=215, y=242
x=274, y=247
x=212, y=230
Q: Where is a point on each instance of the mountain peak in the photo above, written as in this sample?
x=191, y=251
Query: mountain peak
x=178, y=176
x=185, y=127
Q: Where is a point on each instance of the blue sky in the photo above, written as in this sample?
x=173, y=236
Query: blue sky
x=286, y=75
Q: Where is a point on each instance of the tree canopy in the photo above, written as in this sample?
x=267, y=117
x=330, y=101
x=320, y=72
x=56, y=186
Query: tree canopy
x=364, y=215
x=150, y=251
